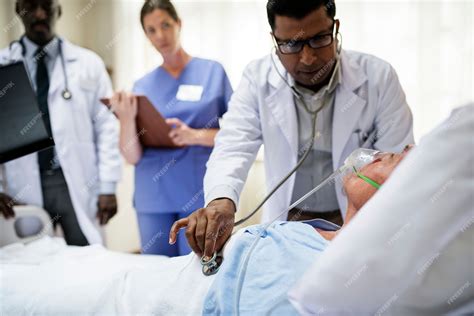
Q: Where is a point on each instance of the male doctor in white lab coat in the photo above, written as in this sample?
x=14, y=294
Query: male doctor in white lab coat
x=74, y=181
x=351, y=100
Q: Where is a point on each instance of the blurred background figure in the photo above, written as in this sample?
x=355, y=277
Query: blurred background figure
x=193, y=94
x=74, y=181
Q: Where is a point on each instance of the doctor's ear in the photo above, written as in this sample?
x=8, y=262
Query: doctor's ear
x=338, y=38
x=272, y=38
x=60, y=11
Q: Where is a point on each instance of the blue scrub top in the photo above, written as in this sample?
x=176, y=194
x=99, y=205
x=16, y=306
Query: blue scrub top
x=171, y=180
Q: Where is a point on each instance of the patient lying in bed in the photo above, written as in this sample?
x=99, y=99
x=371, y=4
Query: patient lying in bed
x=258, y=284
x=47, y=277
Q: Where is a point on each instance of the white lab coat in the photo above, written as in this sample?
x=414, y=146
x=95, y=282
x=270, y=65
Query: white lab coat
x=370, y=111
x=85, y=133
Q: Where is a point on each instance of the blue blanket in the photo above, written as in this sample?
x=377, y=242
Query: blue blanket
x=279, y=258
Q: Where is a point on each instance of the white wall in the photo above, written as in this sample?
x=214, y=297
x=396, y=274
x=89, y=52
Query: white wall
x=430, y=44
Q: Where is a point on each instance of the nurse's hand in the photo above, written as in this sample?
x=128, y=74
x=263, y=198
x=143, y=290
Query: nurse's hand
x=125, y=106
x=181, y=134
x=207, y=229
x=6, y=206
x=107, y=208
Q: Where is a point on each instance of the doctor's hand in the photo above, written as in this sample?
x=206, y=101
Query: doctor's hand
x=181, y=134
x=207, y=229
x=6, y=206
x=125, y=106
x=107, y=208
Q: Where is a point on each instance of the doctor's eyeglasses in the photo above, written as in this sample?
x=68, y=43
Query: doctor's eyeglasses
x=295, y=46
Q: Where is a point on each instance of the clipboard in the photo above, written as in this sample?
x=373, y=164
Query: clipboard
x=23, y=130
x=152, y=128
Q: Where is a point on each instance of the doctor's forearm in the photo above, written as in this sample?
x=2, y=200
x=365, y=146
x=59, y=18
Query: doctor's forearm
x=130, y=146
x=205, y=137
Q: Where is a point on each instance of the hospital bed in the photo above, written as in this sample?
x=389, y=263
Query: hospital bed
x=407, y=250
x=42, y=275
x=10, y=231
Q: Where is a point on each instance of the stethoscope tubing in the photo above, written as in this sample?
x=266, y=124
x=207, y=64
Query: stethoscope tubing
x=66, y=93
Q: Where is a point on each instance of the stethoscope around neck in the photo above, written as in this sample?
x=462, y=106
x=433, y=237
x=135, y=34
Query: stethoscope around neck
x=66, y=93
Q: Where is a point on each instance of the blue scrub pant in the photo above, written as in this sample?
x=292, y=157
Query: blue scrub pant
x=154, y=234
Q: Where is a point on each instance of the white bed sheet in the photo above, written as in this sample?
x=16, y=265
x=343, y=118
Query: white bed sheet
x=47, y=277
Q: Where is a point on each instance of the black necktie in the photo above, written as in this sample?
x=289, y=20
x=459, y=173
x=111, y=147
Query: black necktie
x=45, y=157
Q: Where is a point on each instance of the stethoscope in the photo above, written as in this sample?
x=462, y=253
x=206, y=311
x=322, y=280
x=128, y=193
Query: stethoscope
x=212, y=266
x=66, y=93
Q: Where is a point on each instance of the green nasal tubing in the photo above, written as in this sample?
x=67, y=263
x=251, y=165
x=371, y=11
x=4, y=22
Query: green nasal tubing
x=367, y=179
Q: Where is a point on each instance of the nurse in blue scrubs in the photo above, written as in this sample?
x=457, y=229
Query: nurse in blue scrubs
x=192, y=93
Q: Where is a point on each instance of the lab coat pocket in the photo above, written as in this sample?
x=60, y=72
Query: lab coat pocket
x=84, y=97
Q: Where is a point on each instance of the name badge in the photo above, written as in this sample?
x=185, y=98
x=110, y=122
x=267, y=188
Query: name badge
x=189, y=93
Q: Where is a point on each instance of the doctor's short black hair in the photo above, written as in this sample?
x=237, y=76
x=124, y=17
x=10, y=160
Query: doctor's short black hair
x=297, y=9
x=151, y=5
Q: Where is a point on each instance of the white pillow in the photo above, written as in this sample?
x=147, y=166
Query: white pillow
x=410, y=250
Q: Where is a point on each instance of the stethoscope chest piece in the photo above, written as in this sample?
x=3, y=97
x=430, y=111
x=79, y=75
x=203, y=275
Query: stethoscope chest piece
x=212, y=266
x=67, y=94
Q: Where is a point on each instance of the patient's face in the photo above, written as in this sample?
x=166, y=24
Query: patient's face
x=358, y=191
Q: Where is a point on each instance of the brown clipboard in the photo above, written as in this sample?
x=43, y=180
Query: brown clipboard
x=152, y=129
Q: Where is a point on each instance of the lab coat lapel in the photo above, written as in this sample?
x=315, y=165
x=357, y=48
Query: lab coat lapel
x=15, y=53
x=348, y=106
x=57, y=79
x=281, y=103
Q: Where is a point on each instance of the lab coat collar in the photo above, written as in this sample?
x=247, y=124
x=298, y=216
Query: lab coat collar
x=70, y=52
x=351, y=76
x=51, y=49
